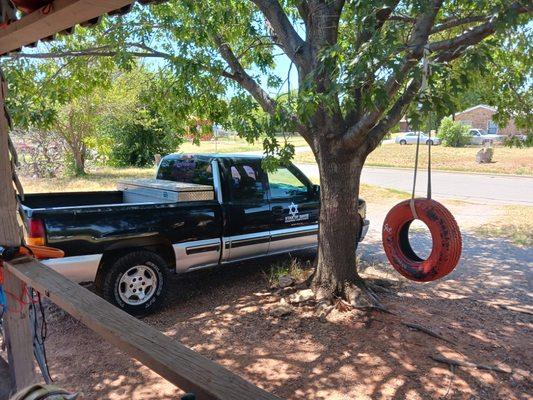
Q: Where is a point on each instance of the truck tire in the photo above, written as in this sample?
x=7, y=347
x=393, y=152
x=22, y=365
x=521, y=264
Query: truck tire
x=137, y=282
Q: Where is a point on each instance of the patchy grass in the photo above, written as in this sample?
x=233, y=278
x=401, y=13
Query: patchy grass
x=233, y=145
x=103, y=178
x=514, y=223
x=506, y=160
x=298, y=269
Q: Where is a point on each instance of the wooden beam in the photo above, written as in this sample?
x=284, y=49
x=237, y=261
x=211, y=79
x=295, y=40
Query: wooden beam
x=5, y=384
x=19, y=338
x=180, y=365
x=54, y=18
x=9, y=227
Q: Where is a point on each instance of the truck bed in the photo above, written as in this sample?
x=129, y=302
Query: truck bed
x=92, y=222
x=72, y=199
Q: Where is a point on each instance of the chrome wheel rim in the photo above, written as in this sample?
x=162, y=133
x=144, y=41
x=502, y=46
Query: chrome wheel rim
x=137, y=285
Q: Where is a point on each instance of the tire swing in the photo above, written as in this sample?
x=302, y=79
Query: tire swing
x=445, y=233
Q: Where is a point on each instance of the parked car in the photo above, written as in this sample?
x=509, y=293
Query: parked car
x=412, y=137
x=200, y=211
x=480, y=137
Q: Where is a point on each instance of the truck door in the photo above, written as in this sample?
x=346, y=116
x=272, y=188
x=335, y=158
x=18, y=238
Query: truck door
x=294, y=207
x=247, y=232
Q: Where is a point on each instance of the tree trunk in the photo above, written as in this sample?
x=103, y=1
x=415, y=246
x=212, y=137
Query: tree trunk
x=79, y=161
x=336, y=273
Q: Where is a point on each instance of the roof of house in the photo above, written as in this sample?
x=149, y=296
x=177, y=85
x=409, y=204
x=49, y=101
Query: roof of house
x=478, y=106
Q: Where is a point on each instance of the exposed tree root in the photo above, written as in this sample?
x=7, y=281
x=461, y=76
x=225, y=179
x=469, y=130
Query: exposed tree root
x=425, y=330
x=459, y=363
x=362, y=296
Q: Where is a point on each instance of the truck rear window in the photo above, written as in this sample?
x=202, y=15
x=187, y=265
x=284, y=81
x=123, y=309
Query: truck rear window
x=186, y=170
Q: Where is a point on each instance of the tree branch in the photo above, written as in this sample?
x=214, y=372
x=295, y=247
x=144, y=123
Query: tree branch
x=243, y=78
x=372, y=26
x=475, y=34
x=103, y=52
x=354, y=136
x=395, y=113
x=453, y=23
x=282, y=27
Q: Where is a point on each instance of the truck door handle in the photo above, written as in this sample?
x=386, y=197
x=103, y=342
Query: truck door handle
x=277, y=210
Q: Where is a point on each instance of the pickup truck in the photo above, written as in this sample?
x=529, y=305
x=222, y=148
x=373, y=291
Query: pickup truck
x=200, y=211
x=479, y=136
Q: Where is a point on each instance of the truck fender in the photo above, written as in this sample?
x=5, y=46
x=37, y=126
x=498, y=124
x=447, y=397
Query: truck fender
x=157, y=244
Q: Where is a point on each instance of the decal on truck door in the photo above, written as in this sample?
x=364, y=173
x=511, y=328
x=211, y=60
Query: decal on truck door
x=294, y=215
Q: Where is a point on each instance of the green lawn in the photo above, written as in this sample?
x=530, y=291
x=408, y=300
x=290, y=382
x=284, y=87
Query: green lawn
x=233, y=145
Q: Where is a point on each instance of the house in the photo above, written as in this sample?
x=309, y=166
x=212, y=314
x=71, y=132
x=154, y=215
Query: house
x=480, y=117
x=403, y=125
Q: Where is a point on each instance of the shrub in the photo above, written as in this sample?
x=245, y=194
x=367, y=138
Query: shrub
x=517, y=141
x=136, y=144
x=41, y=153
x=452, y=133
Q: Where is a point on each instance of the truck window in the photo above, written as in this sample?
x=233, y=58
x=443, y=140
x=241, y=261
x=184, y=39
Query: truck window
x=283, y=183
x=247, y=182
x=186, y=170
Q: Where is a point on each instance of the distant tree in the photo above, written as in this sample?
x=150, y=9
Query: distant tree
x=137, y=121
x=47, y=96
x=359, y=67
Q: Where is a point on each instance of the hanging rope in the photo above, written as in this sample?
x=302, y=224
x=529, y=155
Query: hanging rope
x=423, y=87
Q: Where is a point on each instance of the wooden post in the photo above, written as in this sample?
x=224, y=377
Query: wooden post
x=18, y=334
x=9, y=227
x=17, y=324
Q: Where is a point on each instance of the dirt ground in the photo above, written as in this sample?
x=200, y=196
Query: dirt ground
x=224, y=314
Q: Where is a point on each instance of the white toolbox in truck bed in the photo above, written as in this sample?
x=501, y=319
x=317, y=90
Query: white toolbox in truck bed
x=159, y=190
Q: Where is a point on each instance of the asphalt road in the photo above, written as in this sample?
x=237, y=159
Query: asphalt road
x=478, y=188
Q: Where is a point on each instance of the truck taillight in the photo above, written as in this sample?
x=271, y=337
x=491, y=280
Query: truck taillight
x=36, y=233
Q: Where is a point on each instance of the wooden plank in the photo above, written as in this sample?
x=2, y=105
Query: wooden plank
x=5, y=383
x=180, y=365
x=54, y=18
x=18, y=335
x=9, y=227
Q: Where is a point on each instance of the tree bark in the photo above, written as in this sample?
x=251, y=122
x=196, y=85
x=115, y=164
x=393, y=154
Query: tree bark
x=79, y=160
x=336, y=273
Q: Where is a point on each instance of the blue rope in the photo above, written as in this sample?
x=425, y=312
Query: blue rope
x=3, y=300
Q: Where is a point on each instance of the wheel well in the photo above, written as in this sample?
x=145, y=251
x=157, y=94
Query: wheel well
x=162, y=248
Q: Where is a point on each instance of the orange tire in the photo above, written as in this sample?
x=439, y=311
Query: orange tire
x=445, y=234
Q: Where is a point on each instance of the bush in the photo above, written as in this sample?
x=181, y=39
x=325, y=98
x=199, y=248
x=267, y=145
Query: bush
x=517, y=141
x=136, y=144
x=452, y=133
x=41, y=153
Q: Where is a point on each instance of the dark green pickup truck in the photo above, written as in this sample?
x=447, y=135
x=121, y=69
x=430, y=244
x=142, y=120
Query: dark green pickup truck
x=200, y=211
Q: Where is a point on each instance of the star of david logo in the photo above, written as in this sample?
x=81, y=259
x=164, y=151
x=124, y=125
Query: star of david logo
x=293, y=209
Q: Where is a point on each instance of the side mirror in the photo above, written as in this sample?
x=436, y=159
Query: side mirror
x=315, y=191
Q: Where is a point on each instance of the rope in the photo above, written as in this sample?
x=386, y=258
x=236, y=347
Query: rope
x=423, y=87
x=412, y=202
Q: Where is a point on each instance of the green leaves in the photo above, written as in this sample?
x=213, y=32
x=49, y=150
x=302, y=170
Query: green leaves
x=349, y=71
